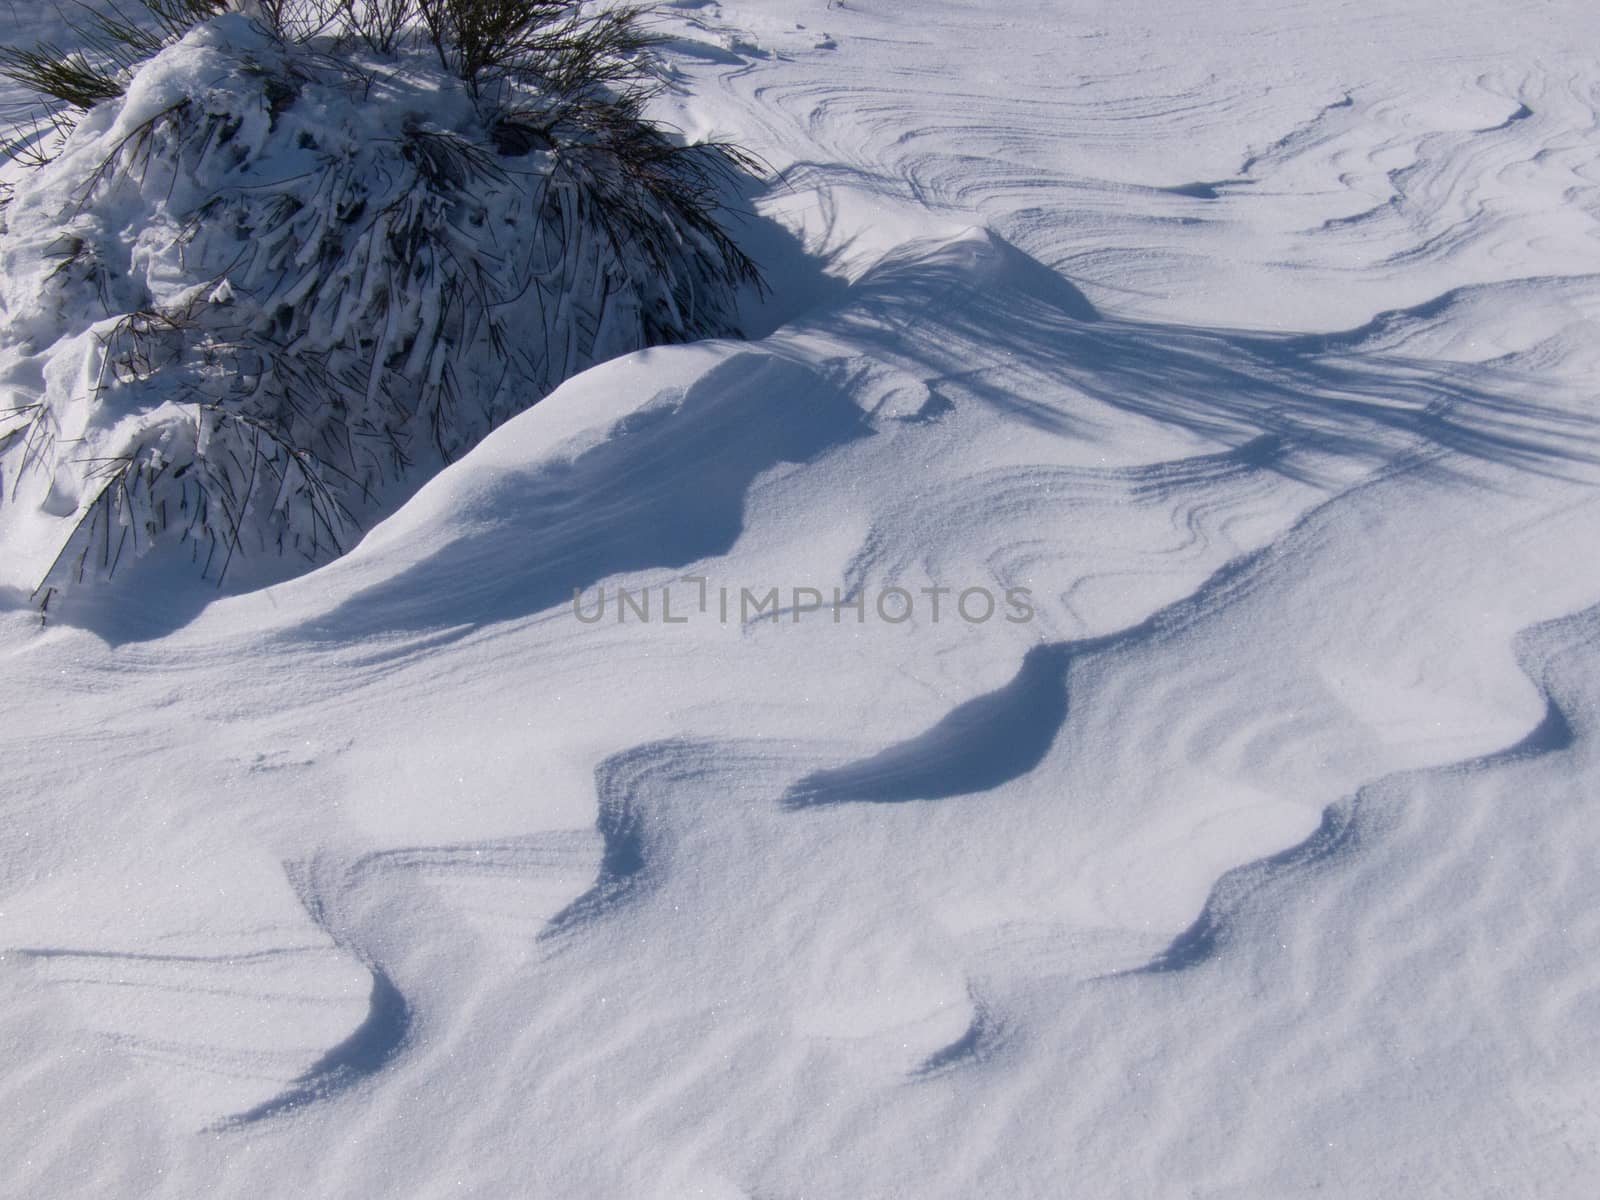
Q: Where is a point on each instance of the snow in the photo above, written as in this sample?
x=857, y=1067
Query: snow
x=236, y=331
x=1256, y=342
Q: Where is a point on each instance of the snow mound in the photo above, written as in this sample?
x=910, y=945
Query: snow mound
x=260, y=291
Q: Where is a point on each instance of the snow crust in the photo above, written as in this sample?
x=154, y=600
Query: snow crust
x=1256, y=342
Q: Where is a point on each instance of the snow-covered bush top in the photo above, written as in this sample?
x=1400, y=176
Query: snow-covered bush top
x=262, y=293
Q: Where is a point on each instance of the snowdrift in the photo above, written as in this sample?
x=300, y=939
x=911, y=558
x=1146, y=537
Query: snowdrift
x=1258, y=342
x=264, y=292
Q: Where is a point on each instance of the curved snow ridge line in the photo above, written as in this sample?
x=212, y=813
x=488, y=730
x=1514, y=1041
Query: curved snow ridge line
x=630, y=861
x=1464, y=193
x=894, y=121
x=1158, y=481
x=978, y=746
x=1312, y=131
x=1548, y=653
x=1022, y=490
x=910, y=119
x=995, y=516
x=324, y=886
x=333, y=890
x=1338, y=834
x=1002, y=735
x=898, y=144
x=666, y=488
x=369, y=1048
x=1492, y=165
x=639, y=822
x=1475, y=190
x=984, y=1040
x=1349, y=824
x=224, y=1026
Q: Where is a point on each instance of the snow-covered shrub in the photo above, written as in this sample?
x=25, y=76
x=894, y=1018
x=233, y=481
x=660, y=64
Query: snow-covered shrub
x=273, y=280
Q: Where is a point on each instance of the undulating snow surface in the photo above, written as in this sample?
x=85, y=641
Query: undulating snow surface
x=1249, y=852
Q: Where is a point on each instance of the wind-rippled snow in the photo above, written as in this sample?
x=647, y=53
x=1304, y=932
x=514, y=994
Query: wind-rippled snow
x=1256, y=341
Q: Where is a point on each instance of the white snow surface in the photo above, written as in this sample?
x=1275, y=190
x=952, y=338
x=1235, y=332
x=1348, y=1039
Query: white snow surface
x=1256, y=341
